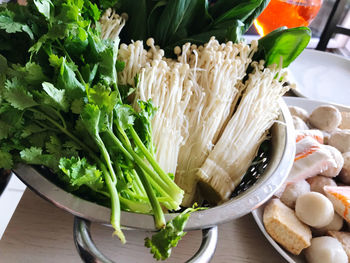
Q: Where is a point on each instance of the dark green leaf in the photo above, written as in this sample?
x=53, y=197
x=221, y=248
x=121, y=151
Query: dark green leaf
x=221, y=6
x=136, y=26
x=254, y=15
x=6, y=161
x=240, y=12
x=177, y=18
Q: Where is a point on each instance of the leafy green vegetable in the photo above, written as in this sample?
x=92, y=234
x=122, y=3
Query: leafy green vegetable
x=283, y=43
x=187, y=20
x=162, y=242
x=61, y=107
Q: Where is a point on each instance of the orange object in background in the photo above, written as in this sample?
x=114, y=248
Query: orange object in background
x=289, y=13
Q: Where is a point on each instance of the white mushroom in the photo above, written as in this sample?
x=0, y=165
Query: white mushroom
x=293, y=191
x=325, y=117
x=299, y=112
x=299, y=124
x=325, y=250
x=314, y=209
x=344, y=174
x=341, y=140
x=339, y=160
x=318, y=182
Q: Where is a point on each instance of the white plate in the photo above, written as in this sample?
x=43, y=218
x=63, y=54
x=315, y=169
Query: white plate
x=308, y=105
x=322, y=76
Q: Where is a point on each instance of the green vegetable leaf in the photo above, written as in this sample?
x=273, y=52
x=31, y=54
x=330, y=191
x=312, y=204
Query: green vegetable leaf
x=67, y=79
x=94, y=119
x=35, y=155
x=136, y=18
x=143, y=124
x=176, y=18
x=33, y=73
x=6, y=161
x=31, y=129
x=162, y=242
x=17, y=95
x=124, y=115
x=44, y=7
x=11, y=26
x=285, y=44
x=55, y=97
x=77, y=106
x=103, y=96
x=80, y=172
x=241, y=11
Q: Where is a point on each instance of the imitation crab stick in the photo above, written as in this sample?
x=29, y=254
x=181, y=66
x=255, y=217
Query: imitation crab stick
x=316, y=134
x=340, y=197
x=312, y=158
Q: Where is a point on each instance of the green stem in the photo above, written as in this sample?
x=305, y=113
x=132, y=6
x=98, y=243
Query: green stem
x=151, y=160
x=145, y=167
x=136, y=206
x=119, y=145
x=157, y=210
x=157, y=182
x=106, y=157
x=115, y=204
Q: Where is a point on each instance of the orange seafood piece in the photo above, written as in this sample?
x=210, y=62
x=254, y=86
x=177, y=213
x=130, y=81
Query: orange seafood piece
x=340, y=197
x=316, y=134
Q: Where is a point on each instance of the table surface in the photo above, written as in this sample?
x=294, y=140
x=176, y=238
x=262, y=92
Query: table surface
x=39, y=232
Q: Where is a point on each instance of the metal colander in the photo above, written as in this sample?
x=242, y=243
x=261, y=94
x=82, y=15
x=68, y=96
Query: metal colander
x=267, y=173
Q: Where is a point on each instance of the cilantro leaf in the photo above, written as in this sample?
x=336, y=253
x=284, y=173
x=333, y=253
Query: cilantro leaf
x=33, y=73
x=55, y=97
x=35, y=155
x=80, y=172
x=11, y=26
x=163, y=241
x=17, y=95
x=103, y=96
x=77, y=106
x=44, y=7
x=6, y=161
x=124, y=115
x=94, y=119
x=67, y=78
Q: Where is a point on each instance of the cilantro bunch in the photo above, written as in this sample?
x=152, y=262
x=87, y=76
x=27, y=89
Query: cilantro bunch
x=61, y=107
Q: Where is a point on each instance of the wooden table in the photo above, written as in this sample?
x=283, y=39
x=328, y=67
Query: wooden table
x=40, y=232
